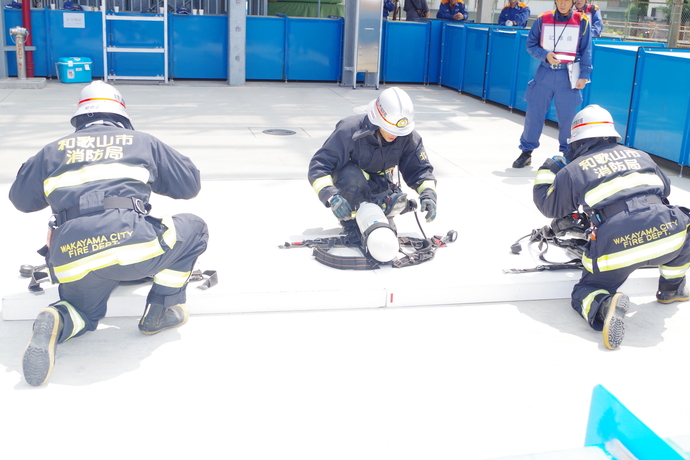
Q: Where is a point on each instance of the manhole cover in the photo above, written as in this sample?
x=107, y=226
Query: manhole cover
x=279, y=132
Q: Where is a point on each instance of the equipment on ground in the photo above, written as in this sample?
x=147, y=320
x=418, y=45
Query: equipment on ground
x=414, y=250
x=570, y=233
x=378, y=238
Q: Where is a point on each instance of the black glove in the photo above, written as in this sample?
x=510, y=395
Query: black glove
x=429, y=206
x=340, y=207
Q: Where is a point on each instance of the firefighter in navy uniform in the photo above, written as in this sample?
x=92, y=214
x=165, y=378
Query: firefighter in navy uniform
x=357, y=162
x=97, y=182
x=624, y=193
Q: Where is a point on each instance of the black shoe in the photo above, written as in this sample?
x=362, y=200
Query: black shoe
x=612, y=313
x=157, y=318
x=681, y=294
x=39, y=357
x=525, y=159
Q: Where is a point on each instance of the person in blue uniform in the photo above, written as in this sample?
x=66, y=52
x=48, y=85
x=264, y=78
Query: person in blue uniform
x=357, y=162
x=624, y=193
x=97, y=183
x=388, y=6
x=515, y=14
x=557, y=38
x=593, y=13
x=452, y=10
x=415, y=9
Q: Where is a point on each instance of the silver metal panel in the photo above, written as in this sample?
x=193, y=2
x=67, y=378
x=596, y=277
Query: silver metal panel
x=369, y=35
x=3, y=56
x=363, y=23
x=237, y=40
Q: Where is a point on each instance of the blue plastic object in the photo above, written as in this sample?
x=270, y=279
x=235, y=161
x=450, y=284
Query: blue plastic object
x=74, y=69
x=610, y=423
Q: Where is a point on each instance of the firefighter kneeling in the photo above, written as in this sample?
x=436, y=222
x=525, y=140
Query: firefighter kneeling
x=624, y=193
x=357, y=163
x=97, y=182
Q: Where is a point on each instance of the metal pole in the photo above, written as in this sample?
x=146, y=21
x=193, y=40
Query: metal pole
x=20, y=33
x=674, y=28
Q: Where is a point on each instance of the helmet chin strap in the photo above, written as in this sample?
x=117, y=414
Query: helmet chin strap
x=88, y=119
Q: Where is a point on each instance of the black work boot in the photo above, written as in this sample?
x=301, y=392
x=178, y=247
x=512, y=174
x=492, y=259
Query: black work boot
x=612, y=313
x=157, y=318
x=525, y=159
x=667, y=293
x=39, y=357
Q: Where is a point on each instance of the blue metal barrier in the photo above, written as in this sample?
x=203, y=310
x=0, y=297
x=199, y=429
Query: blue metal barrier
x=612, y=80
x=405, y=51
x=659, y=121
x=206, y=56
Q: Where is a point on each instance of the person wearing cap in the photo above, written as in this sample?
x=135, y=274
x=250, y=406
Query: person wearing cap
x=452, y=10
x=358, y=162
x=514, y=14
x=560, y=40
x=97, y=182
x=624, y=194
x=593, y=13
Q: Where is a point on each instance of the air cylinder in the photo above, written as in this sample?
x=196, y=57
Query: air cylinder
x=379, y=239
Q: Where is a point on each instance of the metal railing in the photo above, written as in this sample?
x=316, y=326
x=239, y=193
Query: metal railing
x=645, y=31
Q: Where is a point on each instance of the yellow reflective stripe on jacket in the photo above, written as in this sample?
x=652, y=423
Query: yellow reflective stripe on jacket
x=641, y=253
x=615, y=185
x=78, y=322
x=669, y=272
x=587, y=263
x=366, y=175
x=123, y=255
x=321, y=183
x=587, y=302
x=171, y=278
x=95, y=173
x=425, y=185
x=545, y=176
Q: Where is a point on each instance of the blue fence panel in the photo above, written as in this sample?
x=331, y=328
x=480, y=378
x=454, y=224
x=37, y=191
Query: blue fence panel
x=310, y=59
x=453, y=56
x=406, y=50
x=659, y=119
x=435, y=50
x=198, y=46
x=265, y=48
x=502, y=54
x=612, y=81
x=135, y=34
x=476, y=45
x=526, y=67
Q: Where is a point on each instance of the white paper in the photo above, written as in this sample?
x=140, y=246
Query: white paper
x=573, y=73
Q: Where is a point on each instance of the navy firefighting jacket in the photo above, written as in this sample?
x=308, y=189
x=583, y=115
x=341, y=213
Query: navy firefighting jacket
x=354, y=140
x=641, y=230
x=76, y=173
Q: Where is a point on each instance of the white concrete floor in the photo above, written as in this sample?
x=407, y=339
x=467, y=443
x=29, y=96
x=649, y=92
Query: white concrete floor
x=286, y=358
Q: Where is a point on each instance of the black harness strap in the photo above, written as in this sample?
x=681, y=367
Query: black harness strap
x=109, y=202
x=344, y=262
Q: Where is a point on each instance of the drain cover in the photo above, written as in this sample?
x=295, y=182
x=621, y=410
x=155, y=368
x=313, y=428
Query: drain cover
x=279, y=132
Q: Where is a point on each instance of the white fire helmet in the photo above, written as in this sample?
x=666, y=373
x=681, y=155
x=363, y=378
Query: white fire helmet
x=393, y=112
x=592, y=121
x=100, y=97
